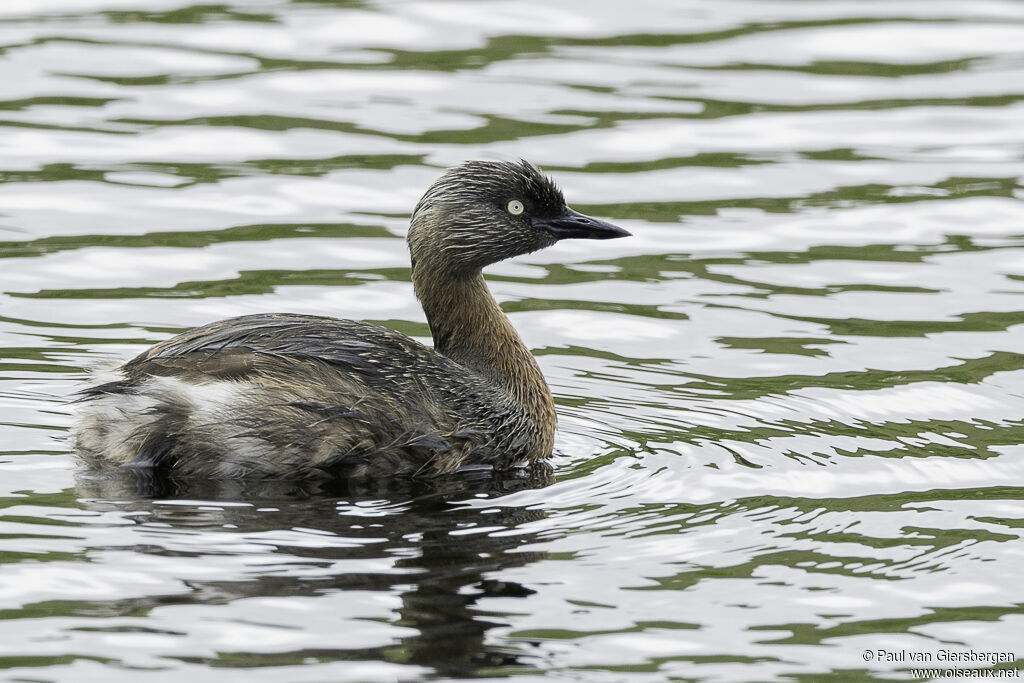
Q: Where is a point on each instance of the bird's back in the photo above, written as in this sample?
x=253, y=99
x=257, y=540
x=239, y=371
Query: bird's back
x=295, y=396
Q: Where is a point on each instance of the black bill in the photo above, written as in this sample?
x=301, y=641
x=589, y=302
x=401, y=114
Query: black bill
x=573, y=224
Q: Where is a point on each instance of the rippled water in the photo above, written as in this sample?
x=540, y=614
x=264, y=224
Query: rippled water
x=790, y=406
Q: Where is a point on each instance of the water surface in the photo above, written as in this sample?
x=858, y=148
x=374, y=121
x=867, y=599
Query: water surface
x=790, y=406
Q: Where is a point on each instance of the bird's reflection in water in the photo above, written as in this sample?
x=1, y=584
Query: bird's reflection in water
x=443, y=574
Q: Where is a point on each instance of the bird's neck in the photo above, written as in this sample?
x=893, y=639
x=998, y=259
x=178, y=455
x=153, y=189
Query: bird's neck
x=469, y=327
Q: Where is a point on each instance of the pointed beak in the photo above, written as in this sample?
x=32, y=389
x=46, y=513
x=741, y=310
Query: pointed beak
x=573, y=224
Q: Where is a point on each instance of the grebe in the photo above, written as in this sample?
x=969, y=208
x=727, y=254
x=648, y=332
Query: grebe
x=300, y=396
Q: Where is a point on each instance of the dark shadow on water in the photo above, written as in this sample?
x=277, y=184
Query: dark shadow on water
x=438, y=575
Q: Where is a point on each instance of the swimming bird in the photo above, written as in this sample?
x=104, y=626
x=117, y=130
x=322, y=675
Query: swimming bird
x=298, y=396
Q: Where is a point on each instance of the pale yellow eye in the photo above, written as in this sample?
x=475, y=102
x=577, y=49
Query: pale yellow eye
x=515, y=207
